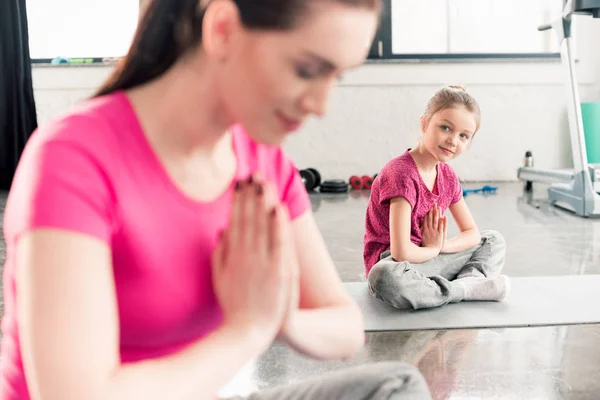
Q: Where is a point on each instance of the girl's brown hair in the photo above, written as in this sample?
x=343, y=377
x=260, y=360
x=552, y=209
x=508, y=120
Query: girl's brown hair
x=453, y=96
x=168, y=29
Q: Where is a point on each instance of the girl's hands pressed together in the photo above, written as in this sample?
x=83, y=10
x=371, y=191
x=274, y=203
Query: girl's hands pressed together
x=434, y=228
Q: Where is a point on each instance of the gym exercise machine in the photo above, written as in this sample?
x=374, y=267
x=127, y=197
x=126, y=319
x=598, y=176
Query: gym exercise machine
x=577, y=189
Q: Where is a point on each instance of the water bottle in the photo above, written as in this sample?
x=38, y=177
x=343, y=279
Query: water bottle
x=528, y=159
x=528, y=163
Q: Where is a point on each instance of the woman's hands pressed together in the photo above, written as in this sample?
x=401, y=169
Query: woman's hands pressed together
x=264, y=293
x=255, y=272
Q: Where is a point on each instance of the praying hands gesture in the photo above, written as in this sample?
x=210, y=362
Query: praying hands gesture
x=261, y=287
x=434, y=228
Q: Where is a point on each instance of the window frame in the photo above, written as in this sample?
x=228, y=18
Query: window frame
x=81, y=61
x=381, y=48
x=77, y=61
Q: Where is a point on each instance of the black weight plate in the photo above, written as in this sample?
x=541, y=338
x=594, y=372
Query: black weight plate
x=317, y=176
x=334, y=186
x=332, y=190
x=335, y=183
x=309, y=179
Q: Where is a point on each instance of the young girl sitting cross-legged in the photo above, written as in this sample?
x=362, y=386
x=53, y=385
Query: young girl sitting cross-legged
x=410, y=262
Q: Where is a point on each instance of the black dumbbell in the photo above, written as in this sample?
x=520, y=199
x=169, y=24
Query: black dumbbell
x=317, y=176
x=311, y=178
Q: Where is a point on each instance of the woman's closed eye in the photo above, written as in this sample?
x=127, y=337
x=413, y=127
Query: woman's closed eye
x=306, y=72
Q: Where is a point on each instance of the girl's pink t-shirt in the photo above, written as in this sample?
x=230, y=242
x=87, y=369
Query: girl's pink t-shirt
x=400, y=177
x=94, y=172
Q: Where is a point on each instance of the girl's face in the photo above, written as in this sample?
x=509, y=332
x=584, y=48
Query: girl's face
x=448, y=132
x=271, y=81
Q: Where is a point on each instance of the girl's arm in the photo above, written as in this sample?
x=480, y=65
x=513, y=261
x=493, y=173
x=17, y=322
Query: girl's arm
x=469, y=233
x=328, y=323
x=402, y=248
x=69, y=331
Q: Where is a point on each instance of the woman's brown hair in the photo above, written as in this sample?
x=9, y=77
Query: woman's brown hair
x=170, y=28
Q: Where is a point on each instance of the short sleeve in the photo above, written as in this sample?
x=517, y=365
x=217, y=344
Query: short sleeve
x=457, y=192
x=60, y=184
x=391, y=186
x=294, y=193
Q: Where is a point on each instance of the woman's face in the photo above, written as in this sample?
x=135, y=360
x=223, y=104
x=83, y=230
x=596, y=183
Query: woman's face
x=271, y=81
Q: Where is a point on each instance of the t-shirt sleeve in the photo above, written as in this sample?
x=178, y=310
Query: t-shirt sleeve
x=457, y=190
x=293, y=191
x=391, y=186
x=60, y=184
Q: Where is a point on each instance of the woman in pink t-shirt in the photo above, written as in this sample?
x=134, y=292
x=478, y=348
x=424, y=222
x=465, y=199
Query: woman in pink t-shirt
x=409, y=261
x=158, y=239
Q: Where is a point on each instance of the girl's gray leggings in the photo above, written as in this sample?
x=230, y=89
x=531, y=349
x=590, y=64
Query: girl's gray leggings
x=430, y=284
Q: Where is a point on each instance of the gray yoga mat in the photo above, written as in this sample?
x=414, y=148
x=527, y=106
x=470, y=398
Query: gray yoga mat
x=533, y=301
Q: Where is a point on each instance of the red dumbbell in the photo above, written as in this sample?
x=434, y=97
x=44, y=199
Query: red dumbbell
x=356, y=182
x=367, y=181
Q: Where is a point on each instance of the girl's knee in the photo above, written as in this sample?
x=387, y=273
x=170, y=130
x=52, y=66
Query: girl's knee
x=388, y=283
x=495, y=239
x=386, y=277
x=495, y=252
x=378, y=279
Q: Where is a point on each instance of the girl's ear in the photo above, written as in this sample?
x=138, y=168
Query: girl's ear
x=424, y=123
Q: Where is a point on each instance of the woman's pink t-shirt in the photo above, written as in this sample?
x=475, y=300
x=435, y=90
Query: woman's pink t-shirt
x=401, y=178
x=93, y=171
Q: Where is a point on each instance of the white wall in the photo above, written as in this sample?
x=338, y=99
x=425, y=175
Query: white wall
x=374, y=111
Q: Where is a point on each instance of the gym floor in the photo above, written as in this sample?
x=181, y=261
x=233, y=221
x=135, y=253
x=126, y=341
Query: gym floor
x=525, y=363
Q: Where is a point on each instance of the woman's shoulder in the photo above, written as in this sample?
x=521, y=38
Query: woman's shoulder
x=66, y=173
x=72, y=148
x=86, y=125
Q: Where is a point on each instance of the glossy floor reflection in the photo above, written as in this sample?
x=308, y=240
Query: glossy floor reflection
x=525, y=363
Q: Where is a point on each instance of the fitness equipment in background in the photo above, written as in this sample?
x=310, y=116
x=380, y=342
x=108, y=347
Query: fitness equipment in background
x=483, y=189
x=528, y=163
x=312, y=181
x=570, y=189
x=362, y=182
x=334, y=186
x=311, y=178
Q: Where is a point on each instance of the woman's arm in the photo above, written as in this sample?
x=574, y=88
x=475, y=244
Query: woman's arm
x=402, y=248
x=328, y=323
x=469, y=233
x=69, y=331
